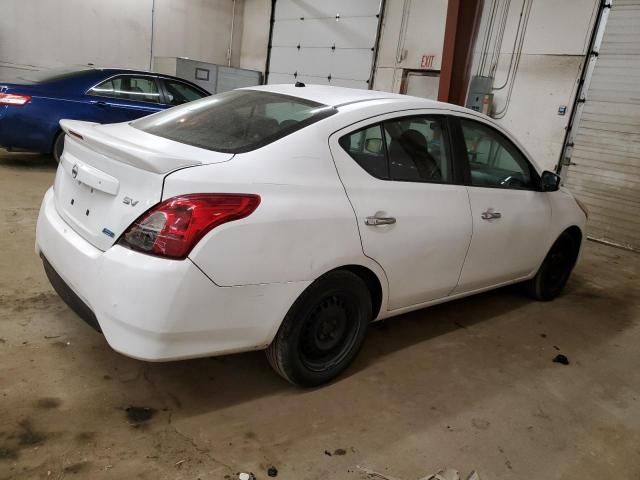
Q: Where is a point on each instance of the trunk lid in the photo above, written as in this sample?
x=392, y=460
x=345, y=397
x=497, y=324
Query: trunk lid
x=110, y=174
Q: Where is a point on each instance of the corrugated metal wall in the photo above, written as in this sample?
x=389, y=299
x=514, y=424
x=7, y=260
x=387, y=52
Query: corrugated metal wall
x=606, y=153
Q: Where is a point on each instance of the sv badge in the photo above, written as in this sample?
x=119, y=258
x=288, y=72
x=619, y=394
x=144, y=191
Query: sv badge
x=130, y=201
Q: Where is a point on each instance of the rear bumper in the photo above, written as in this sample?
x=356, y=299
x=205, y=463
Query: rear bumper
x=156, y=309
x=69, y=296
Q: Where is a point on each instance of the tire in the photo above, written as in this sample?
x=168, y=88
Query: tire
x=555, y=270
x=58, y=146
x=323, y=330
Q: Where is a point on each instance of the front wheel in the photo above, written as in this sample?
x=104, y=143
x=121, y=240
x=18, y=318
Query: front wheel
x=58, y=146
x=555, y=269
x=323, y=331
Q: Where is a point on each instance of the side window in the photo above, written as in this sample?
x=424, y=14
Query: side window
x=367, y=148
x=416, y=149
x=128, y=87
x=493, y=160
x=179, y=93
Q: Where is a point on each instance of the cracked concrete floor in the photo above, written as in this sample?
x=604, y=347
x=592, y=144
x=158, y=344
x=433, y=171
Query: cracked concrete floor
x=468, y=385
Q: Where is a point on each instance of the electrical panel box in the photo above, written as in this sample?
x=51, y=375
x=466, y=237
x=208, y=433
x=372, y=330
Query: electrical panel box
x=213, y=78
x=480, y=97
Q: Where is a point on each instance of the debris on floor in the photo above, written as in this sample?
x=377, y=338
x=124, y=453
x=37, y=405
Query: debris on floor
x=562, y=359
x=451, y=474
x=337, y=451
x=447, y=474
x=272, y=472
x=376, y=475
x=139, y=415
x=246, y=476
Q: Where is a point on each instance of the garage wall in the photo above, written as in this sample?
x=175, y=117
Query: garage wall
x=254, y=37
x=45, y=33
x=423, y=35
x=553, y=53
x=403, y=47
x=198, y=29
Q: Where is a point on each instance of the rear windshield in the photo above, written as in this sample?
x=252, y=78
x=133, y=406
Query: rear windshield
x=53, y=75
x=236, y=121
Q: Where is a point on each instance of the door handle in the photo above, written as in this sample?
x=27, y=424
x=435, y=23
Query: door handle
x=102, y=104
x=376, y=221
x=490, y=214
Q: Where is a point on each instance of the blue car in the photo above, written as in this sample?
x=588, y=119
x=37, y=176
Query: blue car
x=32, y=106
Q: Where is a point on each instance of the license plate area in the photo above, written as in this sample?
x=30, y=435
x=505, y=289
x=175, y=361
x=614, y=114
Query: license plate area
x=81, y=200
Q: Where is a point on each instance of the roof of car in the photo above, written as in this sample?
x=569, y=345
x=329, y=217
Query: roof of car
x=338, y=96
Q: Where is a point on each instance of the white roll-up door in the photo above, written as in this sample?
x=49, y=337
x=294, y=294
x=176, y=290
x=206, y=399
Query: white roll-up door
x=330, y=42
x=605, y=170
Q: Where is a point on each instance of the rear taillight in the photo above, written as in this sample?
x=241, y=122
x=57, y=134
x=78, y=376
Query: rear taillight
x=14, y=99
x=172, y=228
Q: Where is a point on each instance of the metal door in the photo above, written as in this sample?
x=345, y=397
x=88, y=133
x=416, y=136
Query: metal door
x=603, y=158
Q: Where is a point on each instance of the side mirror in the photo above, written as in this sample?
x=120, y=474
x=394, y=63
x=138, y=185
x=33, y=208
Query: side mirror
x=550, y=181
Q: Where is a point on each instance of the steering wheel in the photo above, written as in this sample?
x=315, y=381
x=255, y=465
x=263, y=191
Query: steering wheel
x=513, y=180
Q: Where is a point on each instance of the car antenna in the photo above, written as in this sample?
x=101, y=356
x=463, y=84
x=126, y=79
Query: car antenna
x=300, y=84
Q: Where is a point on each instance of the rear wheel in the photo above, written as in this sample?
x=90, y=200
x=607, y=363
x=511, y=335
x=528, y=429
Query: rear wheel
x=555, y=269
x=58, y=146
x=323, y=331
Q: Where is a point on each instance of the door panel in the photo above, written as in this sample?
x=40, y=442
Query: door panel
x=125, y=97
x=418, y=231
x=511, y=217
x=508, y=247
x=111, y=110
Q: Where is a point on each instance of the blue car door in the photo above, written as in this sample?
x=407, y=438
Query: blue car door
x=125, y=97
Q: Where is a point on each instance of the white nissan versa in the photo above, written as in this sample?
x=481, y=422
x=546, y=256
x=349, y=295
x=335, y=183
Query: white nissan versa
x=287, y=218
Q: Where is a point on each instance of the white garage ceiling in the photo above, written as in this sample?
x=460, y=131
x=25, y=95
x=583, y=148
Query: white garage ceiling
x=328, y=43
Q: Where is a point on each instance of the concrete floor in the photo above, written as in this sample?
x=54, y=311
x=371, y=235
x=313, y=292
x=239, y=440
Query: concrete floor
x=468, y=385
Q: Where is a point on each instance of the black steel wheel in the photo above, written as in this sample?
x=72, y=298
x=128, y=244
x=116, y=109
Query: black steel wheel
x=555, y=269
x=323, y=330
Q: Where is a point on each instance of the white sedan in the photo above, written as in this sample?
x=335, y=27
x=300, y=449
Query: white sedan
x=288, y=218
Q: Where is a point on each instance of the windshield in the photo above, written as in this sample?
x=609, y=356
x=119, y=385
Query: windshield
x=236, y=121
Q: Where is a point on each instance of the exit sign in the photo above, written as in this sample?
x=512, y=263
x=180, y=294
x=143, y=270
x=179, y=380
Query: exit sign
x=427, y=61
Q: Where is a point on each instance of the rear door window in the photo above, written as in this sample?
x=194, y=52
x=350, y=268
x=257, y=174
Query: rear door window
x=416, y=150
x=367, y=148
x=404, y=149
x=236, y=121
x=128, y=87
x=180, y=92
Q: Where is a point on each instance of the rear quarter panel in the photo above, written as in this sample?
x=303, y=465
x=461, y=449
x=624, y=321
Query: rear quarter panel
x=35, y=125
x=32, y=126
x=304, y=226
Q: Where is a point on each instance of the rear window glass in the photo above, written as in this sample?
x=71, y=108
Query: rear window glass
x=236, y=121
x=53, y=75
